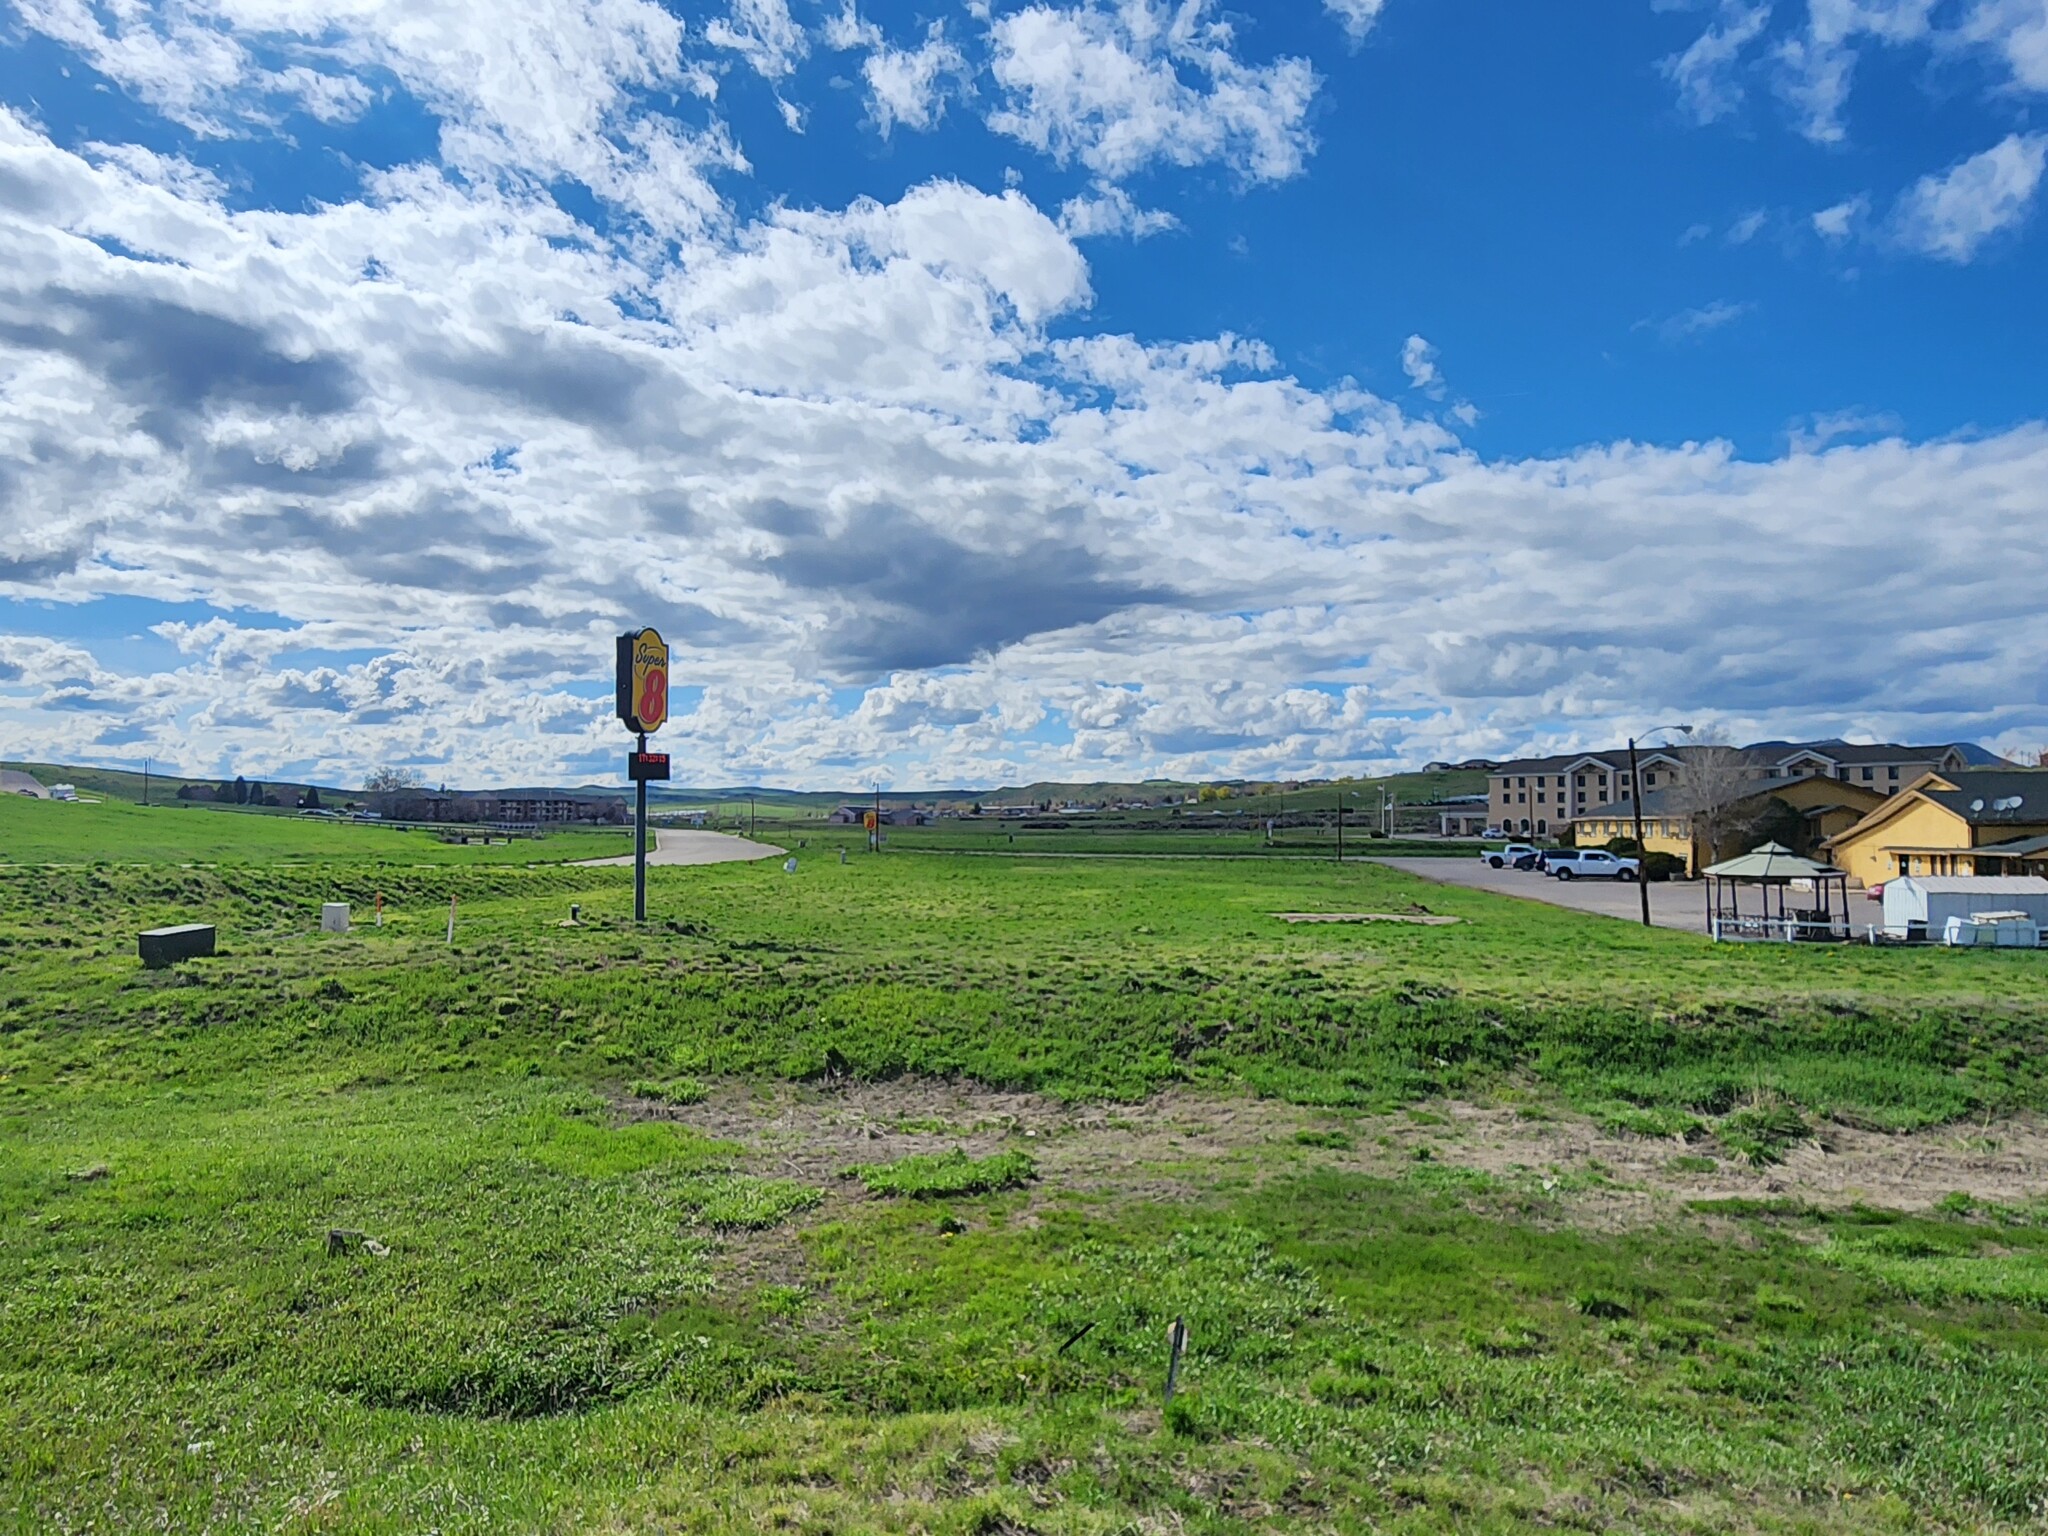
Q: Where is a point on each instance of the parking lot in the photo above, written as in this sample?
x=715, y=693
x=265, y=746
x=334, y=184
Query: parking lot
x=1678, y=904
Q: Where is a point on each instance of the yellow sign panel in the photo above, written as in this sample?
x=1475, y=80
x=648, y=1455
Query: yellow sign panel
x=643, y=680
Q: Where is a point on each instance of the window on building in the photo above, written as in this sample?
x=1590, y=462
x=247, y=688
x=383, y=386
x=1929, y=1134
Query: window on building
x=1649, y=781
x=1521, y=783
x=1869, y=774
x=1892, y=772
x=1542, y=826
x=1581, y=782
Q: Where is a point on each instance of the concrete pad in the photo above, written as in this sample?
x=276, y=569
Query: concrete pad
x=1677, y=904
x=694, y=847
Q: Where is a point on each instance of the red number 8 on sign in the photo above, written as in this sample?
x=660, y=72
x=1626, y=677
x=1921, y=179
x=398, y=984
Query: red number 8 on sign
x=652, y=707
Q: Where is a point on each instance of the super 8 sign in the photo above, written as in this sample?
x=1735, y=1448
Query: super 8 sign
x=643, y=680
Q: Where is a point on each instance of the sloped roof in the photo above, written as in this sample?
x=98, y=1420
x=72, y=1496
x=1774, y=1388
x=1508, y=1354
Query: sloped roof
x=14, y=783
x=1979, y=885
x=1773, y=861
x=2017, y=848
x=1978, y=791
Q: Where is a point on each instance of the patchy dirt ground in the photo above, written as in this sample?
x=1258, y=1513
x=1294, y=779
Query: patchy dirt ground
x=1182, y=1145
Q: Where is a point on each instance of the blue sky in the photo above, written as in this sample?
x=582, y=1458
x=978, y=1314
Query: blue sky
x=987, y=391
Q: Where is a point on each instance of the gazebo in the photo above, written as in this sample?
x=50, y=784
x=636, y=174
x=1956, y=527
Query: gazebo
x=1774, y=868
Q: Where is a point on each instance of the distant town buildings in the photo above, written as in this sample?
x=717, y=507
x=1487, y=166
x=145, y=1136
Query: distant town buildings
x=512, y=808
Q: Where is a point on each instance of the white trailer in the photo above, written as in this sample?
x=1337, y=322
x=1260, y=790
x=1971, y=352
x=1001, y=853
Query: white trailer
x=1920, y=906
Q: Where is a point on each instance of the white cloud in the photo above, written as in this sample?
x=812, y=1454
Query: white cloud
x=2018, y=31
x=1688, y=324
x=1748, y=227
x=764, y=34
x=1817, y=65
x=1950, y=215
x=1108, y=85
x=1111, y=211
x=1358, y=17
x=1418, y=361
x=1839, y=221
x=908, y=85
x=1705, y=74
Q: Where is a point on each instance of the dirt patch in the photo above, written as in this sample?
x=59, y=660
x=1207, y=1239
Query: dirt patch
x=1184, y=1145
x=1156, y=1149
x=1614, y=1177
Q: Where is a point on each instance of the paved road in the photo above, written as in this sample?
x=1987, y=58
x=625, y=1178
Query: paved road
x=1682, y=906
x=693, y=847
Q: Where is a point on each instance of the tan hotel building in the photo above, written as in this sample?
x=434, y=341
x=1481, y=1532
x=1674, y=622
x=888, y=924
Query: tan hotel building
x=1543, y=796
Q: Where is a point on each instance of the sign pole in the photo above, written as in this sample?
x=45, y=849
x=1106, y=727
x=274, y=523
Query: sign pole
x=642, y=709
x=640, y=845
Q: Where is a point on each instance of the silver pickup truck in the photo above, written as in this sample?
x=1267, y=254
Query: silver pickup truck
x=1591, y=864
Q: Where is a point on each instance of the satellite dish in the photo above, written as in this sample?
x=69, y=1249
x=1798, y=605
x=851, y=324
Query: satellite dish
x=1976, y=805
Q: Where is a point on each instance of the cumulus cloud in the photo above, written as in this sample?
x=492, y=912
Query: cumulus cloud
x=1951, y=214
x=1125, y=86
x=764, y=34
x=903, y=509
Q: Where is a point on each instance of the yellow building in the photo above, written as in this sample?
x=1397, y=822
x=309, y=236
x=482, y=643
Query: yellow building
x=1803, y=814
x=1950, y=823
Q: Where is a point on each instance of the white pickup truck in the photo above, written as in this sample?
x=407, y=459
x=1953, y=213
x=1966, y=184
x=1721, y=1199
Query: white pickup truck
x=1514, y=856
x=1591, y=864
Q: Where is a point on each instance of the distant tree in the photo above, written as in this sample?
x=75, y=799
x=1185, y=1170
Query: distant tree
x=310, y=800
x=224, y=793
x=194, y=792
x=1710, y=789
x=241, y=790
x=389, y=785
x=386, y=780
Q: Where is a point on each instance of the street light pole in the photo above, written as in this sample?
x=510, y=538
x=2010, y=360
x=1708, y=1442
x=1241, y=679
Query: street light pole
x=1635, y=781
x=1340, y=825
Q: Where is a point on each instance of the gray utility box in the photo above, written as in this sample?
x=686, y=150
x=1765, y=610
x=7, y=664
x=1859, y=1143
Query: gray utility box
x=167, y=946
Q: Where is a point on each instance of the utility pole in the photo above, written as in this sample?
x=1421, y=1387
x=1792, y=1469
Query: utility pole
x=1340, y=821
x=1635, y=780
x=875, y=837
x=145, y=781
x=750, y=816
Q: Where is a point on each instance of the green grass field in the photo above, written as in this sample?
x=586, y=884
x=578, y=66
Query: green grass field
x=861, y=1198
x=47, y=832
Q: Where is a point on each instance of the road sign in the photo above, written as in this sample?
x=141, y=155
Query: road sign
x=647, y=767
x=643, y=680
x=870, y=821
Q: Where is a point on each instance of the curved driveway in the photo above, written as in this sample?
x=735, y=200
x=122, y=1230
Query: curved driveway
x=690, y=846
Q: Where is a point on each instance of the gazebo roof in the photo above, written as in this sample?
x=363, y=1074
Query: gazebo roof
x=1773, y=861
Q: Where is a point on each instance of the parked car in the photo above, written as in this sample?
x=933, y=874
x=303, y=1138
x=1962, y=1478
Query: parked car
x=1590, y=864
x=1514, y=856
